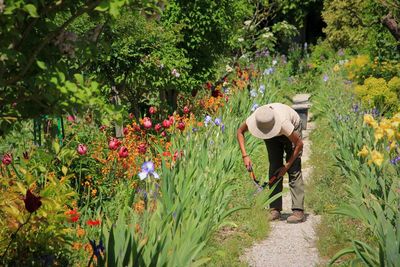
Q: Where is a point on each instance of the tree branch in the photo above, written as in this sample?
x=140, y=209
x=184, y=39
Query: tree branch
x=389, y=22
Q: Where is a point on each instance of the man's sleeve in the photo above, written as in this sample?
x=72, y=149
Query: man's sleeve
x=287, y=128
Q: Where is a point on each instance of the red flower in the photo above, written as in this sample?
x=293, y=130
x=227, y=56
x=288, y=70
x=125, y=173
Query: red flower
x=81, y=149
x=152, y=110
x=72, y=215
x=71, y=118
x=166, y=124
x=114, y=144
x=32, y=202
x=147, y=123
x=209, y=85
x=163, y=134
x=157, y=127
x=171, y=119
x=181, y=126
x=166, y=154
x=177, y=155
x=126, y=131
x=186, y=109
x=102, y=128
x=7, y=159
x=131, y=116
x=93, y=222
x=142, y=148
x=136, y=128
x=123, y=152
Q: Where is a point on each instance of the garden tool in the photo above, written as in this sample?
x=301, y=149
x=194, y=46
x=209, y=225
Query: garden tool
x=257, y=182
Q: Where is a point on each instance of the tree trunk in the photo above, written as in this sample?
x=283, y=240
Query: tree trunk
x=390, y=22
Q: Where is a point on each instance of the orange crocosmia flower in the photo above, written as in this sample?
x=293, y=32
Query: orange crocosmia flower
x=80, y=232
x=93, y=222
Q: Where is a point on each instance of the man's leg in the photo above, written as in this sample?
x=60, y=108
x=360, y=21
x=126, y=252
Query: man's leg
x=275, y=155
x=296, y=183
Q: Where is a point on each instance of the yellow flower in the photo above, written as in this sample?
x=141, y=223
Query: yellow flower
x=336, y=68
x=379, y=132
x=376, y=158
x=369, y=120
x=390, y=133
x=392, y=145
x=363, y=152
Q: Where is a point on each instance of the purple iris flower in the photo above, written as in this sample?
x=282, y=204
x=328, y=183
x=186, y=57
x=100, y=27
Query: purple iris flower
x=326, y=78
x=207, y=120
x=194, y=129
x=254, y=107
x=268, y=71
x=97, y=248
x=223, y=127
x=262, y=89
x=395, y=160
x=217, y=121
x=148, y=170
x=253, y=93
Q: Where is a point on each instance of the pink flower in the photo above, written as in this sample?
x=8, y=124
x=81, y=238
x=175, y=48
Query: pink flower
x=81, y=149
x=166, y=124
x=142, y=148
x=181, y=125
x=152, y=110
x=71, y=118
x=126, y=131
x=186, y=109
x=131, y=116
x=157, y=127
x=171, y=119
x=147, y=123
x=164, y=134
x=123, y=152
x=7, y=159
x=114, y=144
x=102, y=128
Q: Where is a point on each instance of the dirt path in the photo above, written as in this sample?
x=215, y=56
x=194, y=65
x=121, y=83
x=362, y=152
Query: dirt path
x=289, y=245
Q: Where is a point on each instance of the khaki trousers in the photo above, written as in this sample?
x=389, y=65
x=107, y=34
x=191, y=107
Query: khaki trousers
x=277, y=147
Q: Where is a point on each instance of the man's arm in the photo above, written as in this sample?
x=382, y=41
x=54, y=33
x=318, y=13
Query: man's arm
x=298, y=147
x=240, y=137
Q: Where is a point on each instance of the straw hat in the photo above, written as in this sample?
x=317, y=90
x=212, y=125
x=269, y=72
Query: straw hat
x=264, y=123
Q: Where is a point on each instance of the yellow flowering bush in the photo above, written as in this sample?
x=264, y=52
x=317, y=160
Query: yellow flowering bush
x=376, y=92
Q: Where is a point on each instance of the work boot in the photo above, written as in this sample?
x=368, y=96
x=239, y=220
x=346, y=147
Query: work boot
x=274, y=215
x=296, y=217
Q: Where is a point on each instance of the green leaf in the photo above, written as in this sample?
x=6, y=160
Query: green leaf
x=56, y=147
x=64, y=170
x=41, y=64
x=31, y=9
x=103, y=6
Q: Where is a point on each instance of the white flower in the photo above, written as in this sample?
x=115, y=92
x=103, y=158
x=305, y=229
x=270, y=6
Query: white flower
x=228, y=68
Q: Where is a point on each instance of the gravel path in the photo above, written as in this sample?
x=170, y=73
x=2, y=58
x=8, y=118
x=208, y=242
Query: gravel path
x=289, y=245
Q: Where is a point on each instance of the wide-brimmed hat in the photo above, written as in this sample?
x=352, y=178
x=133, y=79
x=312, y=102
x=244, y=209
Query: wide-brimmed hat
x=264, y=123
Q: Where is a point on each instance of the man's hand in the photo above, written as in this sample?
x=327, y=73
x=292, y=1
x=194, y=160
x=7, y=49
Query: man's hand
x=282, y=171
x=247, y=163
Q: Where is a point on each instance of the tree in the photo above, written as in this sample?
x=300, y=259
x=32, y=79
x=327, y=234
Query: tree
x=41, y=62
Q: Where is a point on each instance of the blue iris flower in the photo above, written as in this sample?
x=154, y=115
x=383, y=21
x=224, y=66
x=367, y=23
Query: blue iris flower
x=217, y=121
x=207, y=120
x=254, y=107
x=148, y=170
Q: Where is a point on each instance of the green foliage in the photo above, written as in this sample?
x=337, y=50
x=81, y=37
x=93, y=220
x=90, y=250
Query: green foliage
x=206, y=28
x=356, y=25
x=41, y=62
